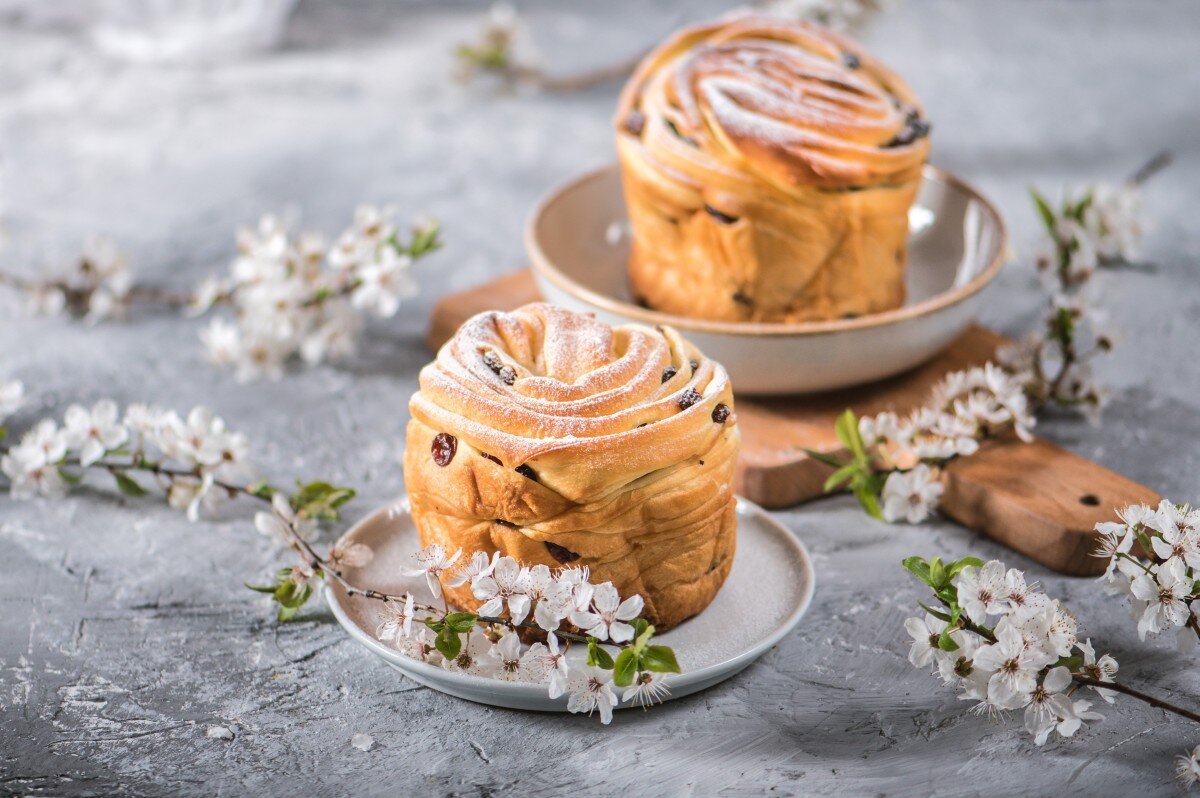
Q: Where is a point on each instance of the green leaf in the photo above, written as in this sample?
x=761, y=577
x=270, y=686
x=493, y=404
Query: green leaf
x=3, y=432
x=287, y=613
x=262, y=490
x=597, y=656
x=625, y=668
x=821, y=457
x=843, y=474
x=955, y=568
x=434, y=624
x=448, y=643
x=320, y=500
x=68, y=477
x=937, y=572
x=1045, y=213
x=918, y=568
x=869, y=502
x=660, y=659
x=261, y=588
x=639, y=625
x=846, y=430
x=945, y=642
x=425, y=240
x=128, y=485
x=461, y=621
x=941, y=616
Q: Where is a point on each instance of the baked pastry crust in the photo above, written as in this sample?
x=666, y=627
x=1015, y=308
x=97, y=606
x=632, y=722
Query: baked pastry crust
x=579, y=444
x=768, y=169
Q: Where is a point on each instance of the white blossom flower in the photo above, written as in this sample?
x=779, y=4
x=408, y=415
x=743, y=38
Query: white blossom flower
x=193, y=493
x=925, y=634
x=12, y=395
x=607, y=619
x=222, y=342
x=383, y=283
x=1113, y=220
x=474, y=657
x=1115, y=540
x=593, y=691
x=1047, y=705
x=44, y=444
x=546, y=663
x=1177, y=538
x=30, y=474
x=1164, y=591
x=207, y=293
x=506, y=657
x=983, y=592
x=144, y=420
x=282, y=518
x=397, y=620
x=431, y=563
x=558, y=601
x=1014, y=667
x=647, y=689
x=1074, y=714
x=1021, y=596
x=479, y=565
x=505, y=586
x=420, y=646
x=45, y=300
x=911, y=495
x=94, y=433
x=350, y=555
x=1103, y=669
x=1187, y=767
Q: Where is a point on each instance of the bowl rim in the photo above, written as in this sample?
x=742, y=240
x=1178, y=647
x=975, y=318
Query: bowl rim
x=544, y=268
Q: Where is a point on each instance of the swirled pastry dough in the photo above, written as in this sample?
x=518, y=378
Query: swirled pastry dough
x=556, y=439
x=768, y=169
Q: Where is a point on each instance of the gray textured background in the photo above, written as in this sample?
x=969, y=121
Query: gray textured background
x=125, y=632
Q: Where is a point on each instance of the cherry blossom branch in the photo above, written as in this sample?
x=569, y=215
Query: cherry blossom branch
x=1028, y=659
x=1158, y=703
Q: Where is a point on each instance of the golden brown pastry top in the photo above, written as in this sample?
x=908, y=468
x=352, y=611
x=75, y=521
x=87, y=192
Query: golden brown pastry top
x=791, y=103
x=589, y=407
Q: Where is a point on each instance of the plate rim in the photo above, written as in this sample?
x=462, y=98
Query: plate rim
x=955, y=295
x=730, y=666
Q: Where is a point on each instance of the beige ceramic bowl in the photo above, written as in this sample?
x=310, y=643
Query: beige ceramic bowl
x=577, y=239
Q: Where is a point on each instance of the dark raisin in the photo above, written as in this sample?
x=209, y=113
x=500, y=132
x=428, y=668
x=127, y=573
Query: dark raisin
x=701, y=462
x=720, y=216
x=695, y=364
x=635, y=122
x=851, y=61
x=508, y=524
x=527, y=472
x=491, y=457
x=508, y=375
x=914, y=128
x=678, y=135
x=641, y=302
x=443, y=448
x=743, y=299
x=689, y=398
x=493, y=361
x=721, y=413
x=669, y=372
x=563, y=555
x=643, y=424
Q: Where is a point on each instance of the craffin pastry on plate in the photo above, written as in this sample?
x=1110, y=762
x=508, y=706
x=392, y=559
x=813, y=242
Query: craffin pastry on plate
x=556, y=439
x=768, y=168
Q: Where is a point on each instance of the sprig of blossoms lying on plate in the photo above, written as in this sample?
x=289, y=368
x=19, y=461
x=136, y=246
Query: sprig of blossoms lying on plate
x=1008, y=646
x=895, y=461
x=502, y=49
x=292, y=297
x=562, y=606
x=1154, y=558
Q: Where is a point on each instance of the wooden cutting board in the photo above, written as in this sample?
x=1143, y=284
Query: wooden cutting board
x=1036, y=498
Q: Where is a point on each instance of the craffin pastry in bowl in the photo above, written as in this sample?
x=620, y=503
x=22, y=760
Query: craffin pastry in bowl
x=768, y=168
x=556, y=439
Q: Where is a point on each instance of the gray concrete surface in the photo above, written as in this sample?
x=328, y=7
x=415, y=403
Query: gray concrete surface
x=125, y=632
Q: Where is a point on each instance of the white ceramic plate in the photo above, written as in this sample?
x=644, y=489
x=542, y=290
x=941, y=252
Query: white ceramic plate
x=771, y=572
x=956, y=246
